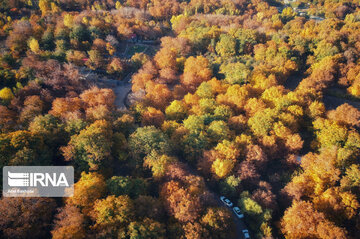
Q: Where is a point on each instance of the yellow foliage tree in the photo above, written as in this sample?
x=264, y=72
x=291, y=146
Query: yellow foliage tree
x=6, y=94
x=89, y=188
x=68, y=20
x=222, y=167
x=34, y=45
x=45, y=6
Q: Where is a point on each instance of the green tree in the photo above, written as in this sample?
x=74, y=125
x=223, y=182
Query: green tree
x=195, y=124
x=261, y=123
x=325, y=49
x=205, y=90
x=124, y=185
x=148, y=228
x=288, y=14
x=146, y=139
x=256, y=216
x=48, y=127
x=96, y=60
x=352, y=178
x=235, y=73
x=48, y=41
x=223, y=112
x=207, y=106
x=218, y=131
x=91, y=146
x=158, y=163
x=246, y=39
x=226, y=46
x=80, y=33
x=112, y=215
x=194, y=144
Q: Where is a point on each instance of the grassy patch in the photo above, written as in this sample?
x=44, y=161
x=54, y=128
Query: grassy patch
x=136, y=49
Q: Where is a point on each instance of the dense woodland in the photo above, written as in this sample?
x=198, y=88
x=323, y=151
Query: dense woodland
x=239, y=98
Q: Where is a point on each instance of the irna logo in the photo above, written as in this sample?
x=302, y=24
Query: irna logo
x=37, y=179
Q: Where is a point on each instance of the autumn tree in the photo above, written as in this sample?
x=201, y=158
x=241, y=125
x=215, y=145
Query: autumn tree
x=33, y=106
x=164, y=10
x=62, y=107
x=177, y=110
x=34, y=45
x=147, y=228
x=7, y=117
x=112, y=224
x=17, y=40
x=152, y=116
x=26, y=217
x=158, y=163
x=158, y=95
x=218, y=222
x=195, y=230
x=89, y=188
x=235, y=73
x=179, y=202
x=226, y=47
x=346, y=114
x=69, y=223
x=301, y=220
x=6, y=95
x=196, y=71
x=147, y=206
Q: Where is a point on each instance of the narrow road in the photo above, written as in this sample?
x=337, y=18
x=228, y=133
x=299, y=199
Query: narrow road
x=123, y=88
x=239, y=223
x=121, y=91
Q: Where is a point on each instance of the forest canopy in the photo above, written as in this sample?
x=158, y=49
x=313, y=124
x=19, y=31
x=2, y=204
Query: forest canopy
x=162, y=107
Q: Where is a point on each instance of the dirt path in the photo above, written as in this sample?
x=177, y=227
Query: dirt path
x=122, y=87
x=121, y=91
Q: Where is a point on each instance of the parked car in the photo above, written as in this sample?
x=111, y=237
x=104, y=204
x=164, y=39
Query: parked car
x=238, y=212
x=246, y=234
x=226, y=201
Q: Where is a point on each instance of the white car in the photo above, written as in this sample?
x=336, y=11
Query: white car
x=246, y=234
x=238, y=212
x=226, y=201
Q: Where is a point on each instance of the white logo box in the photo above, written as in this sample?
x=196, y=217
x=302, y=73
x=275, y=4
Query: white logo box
x=38, y=181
